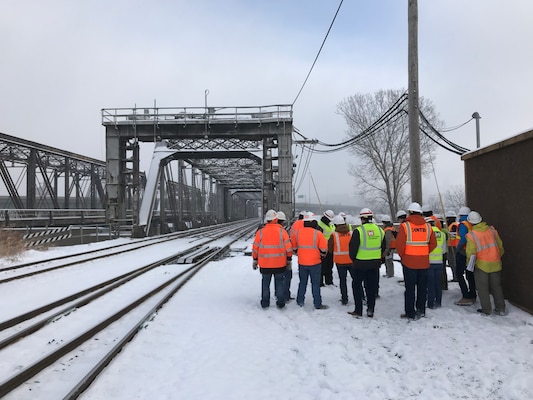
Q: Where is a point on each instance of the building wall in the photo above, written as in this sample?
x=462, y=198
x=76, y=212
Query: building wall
x=499, y=185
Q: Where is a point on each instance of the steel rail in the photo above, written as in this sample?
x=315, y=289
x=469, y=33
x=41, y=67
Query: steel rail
x=105, y=255
x=113, y=282
x=170, y=235
x=26, y=373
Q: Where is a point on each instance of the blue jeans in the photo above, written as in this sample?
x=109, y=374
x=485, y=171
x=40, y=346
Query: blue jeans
x=415, y=279
x=305, y=272
x=343, y=274
x=278, y=289
x=435, y=285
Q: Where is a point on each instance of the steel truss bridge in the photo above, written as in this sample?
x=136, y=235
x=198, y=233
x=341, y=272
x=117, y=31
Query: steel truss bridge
x=238, y=161
x=40, y=179
x=210, y=164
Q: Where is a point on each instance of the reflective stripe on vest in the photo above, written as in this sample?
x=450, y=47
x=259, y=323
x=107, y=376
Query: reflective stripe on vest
x=370, y=238
x=327, y=230
x=417, y=239
x=309, y=254
x=271, y=250
x=436, y=254
x=341, y=244
x=486, y=245
x=452, y=232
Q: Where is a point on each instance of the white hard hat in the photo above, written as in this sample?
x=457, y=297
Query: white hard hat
x=474, y=217
x=281, y=216
x=414, y=207
x=342, y=214
x=302, y=213
x=438, y=216
x=464, y=210
x=271, y=215
x=338, y=220
x=450, y=214
x=366, y=213
x=329, y=214
x=385, y=218
x=309, y=216
x=427, y=208
x=401, y=213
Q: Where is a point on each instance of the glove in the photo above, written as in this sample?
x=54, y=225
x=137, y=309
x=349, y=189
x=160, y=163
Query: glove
x=254, y=264
x=289, y=264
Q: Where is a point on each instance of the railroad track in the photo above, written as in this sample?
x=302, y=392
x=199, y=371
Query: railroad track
x=78, y=334
x=20, y=271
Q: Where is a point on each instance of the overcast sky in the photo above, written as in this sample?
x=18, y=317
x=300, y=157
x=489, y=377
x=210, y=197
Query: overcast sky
x=63, y=61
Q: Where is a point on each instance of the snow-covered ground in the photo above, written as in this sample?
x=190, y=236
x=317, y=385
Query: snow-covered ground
x=213, y=341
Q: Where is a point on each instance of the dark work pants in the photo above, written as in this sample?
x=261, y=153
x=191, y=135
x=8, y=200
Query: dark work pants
x=327, y=269
x=468, y=291
x=416, y=284
x=369, y=277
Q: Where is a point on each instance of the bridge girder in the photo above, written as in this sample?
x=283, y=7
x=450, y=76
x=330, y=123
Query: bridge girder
x=208, y=139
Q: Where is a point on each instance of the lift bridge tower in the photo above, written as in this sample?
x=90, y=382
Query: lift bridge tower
x=242, y=152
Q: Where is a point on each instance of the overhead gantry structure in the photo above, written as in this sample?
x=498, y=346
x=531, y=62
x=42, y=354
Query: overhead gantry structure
x=242, y=156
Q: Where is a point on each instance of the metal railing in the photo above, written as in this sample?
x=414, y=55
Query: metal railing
x=196, y=115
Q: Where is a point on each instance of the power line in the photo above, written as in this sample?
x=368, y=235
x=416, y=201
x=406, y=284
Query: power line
x=316, y=58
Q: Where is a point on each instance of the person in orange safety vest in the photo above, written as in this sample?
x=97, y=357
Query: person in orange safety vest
x=415, y=241
x=311, y=247
x=485, y=244
x=338, y=245
x=272, y=252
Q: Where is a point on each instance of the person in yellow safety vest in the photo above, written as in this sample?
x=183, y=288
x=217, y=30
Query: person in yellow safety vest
x=436, y=267
x=324, y=223
x=390, y=245
x=367, y=247
x=338, y=245
x=468, y=286
x=444, y=275
x=485, y=244
x=451, y=234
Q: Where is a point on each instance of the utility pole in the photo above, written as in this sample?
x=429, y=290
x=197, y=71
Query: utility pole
x=413, y=108
x=477, y=118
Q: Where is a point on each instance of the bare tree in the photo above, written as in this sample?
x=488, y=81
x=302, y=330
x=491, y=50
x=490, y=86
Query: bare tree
x=454, y=198
x=382, y=166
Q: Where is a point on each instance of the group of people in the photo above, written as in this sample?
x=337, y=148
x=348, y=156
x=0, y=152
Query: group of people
x=471, y=248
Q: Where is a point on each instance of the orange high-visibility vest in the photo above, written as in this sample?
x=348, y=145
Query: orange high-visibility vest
x=392, y=244
x=452, y=234
x=271, y=246
x=486, y=245
x=417, y=238
x=310, y=244
x=341, y=247
x=298, y=224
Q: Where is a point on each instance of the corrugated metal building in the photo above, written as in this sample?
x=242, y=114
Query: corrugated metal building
x=499, y=185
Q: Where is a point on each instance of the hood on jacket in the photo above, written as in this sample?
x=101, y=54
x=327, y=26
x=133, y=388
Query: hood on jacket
x=481, y=227
x=342, y=228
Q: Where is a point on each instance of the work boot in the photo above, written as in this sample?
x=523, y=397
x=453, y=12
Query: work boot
x=464, y=302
